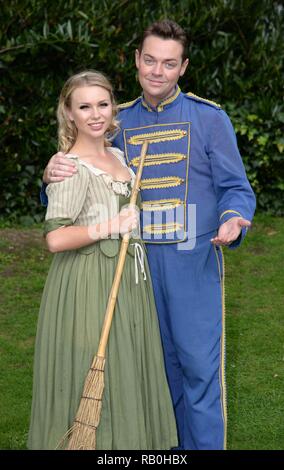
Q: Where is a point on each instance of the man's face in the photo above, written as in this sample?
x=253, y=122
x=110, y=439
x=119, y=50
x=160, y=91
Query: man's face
x=159, y=67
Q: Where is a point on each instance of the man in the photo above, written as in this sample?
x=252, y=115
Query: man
x=196, y=197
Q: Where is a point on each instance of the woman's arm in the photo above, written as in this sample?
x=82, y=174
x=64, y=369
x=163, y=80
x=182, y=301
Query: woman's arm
x=74, y=237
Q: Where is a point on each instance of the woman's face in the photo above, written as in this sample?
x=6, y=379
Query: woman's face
x=91, y=110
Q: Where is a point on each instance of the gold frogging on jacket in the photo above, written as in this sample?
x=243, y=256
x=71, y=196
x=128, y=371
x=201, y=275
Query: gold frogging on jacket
x=161, y=204
x=160, y=159
x=164, y=190
x=160, y=229
x=156, y=137
x=158, y=183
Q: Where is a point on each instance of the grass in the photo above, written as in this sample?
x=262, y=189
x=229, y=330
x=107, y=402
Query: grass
x=23, y=267
x=254, y=331
x=255, y=338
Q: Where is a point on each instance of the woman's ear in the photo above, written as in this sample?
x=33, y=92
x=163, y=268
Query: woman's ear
x=69, y=114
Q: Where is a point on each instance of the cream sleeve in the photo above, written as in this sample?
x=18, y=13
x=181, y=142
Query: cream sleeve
x=66, y=198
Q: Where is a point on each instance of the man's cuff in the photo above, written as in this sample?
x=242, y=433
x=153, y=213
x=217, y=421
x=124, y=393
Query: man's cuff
x=239, y=240
x=226, y=215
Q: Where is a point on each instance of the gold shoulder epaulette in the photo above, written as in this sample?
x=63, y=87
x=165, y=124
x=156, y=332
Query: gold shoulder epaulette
x=128, y=104
x=203, y=100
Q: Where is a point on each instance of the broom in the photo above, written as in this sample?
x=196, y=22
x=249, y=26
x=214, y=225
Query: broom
x=82, y=435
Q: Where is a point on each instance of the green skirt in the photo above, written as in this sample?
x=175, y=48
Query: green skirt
x=137, y=410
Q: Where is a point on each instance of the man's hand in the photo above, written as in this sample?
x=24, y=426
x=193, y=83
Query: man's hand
x=59, y=167
x=229, y=231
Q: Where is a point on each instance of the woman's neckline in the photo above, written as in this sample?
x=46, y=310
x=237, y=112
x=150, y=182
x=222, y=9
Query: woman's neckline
x=103, y=172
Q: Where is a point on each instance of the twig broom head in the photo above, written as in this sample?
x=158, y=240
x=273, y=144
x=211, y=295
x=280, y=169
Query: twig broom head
x=82, y=434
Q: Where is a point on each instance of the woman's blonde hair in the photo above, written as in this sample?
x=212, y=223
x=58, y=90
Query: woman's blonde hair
x=67, y=131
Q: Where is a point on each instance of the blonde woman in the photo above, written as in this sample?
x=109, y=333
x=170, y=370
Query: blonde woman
x=84, y=219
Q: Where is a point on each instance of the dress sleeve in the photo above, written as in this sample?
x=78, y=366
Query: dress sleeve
x=66, y=199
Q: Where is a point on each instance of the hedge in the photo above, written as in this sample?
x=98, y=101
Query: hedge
x=236, y=58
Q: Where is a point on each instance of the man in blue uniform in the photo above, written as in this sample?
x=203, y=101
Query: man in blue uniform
x=195, y=197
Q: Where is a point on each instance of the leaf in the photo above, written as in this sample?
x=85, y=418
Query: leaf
x=252, y=117
x=69, y=29
x=262, y=140
x=45, y=29
x=81, y=13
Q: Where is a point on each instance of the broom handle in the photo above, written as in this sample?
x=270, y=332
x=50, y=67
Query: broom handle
x=121, y=261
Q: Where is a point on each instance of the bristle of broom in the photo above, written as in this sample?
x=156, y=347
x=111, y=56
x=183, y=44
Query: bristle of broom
x=82, y=435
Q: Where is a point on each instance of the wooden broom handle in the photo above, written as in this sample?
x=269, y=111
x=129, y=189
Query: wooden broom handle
x=121, y=260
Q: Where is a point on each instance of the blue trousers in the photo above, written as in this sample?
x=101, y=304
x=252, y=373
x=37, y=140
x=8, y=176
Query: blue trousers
x=188, y=287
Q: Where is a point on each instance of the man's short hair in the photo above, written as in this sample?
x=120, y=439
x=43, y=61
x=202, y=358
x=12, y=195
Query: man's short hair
x=166, y=29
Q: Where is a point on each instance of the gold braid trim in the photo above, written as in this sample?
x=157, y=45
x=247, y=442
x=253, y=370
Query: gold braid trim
x=161, y=204
x=222, y=378
x=230, y=212
x=127, y=104
x=159, y=136
x=165, y=182
x=199, y=98
x=162, y=228
x=169, y=100
x=159, y=159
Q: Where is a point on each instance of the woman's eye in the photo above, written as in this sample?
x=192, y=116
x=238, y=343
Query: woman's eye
x=84, y=106
x=104, y=105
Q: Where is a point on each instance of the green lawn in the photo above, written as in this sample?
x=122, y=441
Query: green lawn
x=254, y=331
x=255, y=338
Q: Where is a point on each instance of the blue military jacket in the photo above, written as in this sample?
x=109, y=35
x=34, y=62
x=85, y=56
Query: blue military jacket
x=193, y=179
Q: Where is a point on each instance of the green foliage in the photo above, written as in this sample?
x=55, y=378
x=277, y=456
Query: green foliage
x=262, y=141
x=236, y=56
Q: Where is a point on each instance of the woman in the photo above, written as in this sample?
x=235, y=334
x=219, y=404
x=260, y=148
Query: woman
x=83, y=222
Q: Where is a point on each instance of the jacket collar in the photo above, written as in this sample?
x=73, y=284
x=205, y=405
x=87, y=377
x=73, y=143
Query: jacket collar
x=166, y=102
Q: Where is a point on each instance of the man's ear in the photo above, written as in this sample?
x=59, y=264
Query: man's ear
x=137, y=58
x=184, y=67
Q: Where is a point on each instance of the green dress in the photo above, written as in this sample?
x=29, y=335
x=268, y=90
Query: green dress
x=137, y=410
